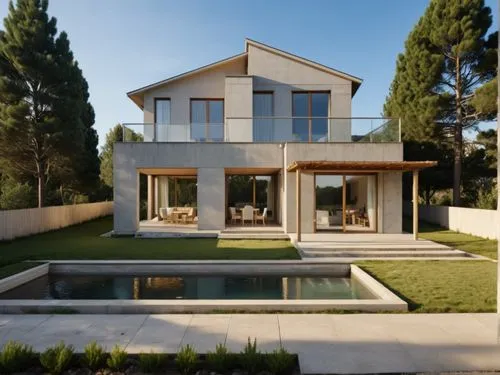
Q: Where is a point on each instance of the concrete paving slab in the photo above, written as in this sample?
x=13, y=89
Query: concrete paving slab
x=206, y=331
x=262, y=327
x=356, y=358
x=160, y=333
x=358, y=343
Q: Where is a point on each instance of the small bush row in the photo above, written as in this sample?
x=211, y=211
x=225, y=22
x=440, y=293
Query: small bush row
x=16, y=357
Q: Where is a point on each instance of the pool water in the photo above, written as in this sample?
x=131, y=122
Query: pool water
x=68, y=287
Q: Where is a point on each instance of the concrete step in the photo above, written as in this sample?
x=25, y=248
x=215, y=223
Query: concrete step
x=253, y=236
x=175, y=235
x=374, y=249
x=373, y=246
x=308, y=253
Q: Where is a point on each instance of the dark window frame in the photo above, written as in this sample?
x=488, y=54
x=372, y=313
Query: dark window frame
x=309, y=106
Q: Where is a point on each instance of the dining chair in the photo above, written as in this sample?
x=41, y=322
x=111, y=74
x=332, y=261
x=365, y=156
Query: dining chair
x=262, y=217
x=234, y=216
x=247, y=214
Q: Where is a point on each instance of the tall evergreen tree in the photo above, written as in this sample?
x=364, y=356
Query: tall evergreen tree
x=447, y=57
x=42, y=101
x=115, y=134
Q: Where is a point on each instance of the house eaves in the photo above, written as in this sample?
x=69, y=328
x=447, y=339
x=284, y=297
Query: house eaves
x=137, y=95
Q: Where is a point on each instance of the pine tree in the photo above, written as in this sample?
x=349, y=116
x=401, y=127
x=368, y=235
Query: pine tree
x=114, y=135
x=447, y=57
x=42, y=95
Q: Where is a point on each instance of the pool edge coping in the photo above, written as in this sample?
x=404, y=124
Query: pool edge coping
x=387, y=301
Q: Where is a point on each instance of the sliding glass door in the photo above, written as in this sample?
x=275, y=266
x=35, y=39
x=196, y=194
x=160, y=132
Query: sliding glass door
x=207, y=120
x=346, y=203
x=310, y=111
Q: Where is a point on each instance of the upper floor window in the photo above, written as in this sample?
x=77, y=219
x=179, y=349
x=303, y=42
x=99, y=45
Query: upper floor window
x=263, y=128
x=162, y=119
x=312, y=108
x=207, y=120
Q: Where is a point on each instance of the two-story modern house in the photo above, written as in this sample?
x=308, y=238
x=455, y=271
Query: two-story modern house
x=261, y=138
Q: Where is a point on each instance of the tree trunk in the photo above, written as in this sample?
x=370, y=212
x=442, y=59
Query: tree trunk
x=457, y=137
x=41, y=183
x=41, y=191
x=457, y=164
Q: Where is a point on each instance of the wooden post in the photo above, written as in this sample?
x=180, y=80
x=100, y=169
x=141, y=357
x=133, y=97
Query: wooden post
x=151, y=193
x=344, y=203
x=297, y=198
x=415, y=205
x=175, y=192
x=254, y=199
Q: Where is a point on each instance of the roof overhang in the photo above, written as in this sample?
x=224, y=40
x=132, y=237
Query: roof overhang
x=137, y=96
x=359, y=166
x=356, y=81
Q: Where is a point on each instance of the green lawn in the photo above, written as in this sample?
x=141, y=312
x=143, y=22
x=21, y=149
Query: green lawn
x=461, y=241
x=439, y=286
x=83, y=242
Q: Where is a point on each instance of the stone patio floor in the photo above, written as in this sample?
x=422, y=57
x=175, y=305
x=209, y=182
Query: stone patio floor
x=326, y=343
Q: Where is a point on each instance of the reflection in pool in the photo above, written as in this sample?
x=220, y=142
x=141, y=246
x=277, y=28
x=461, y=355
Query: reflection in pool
x=68, y=287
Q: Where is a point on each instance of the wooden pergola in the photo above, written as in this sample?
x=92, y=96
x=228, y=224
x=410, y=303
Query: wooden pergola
x=358, y=167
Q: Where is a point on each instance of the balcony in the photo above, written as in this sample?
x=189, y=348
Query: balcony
x=271, y=130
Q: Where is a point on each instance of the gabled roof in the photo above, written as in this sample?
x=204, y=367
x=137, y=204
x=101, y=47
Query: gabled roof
x=137, y=98
x=356, y=81
x=133, y=94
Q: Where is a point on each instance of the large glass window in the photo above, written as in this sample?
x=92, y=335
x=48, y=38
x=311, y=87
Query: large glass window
x=263, y=130
x=260, y=192
x=162, y=119
x=313, y=107
x=346, y=203
x=207, y=120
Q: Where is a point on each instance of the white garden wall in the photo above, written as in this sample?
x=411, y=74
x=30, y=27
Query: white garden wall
x=19, y=223
x=482, y=223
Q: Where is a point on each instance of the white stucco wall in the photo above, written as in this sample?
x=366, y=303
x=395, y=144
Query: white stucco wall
x=239, y=103
x=211, y=198
x=283, y=76
x=206, y=84
x=390, y=202
x=475, y=221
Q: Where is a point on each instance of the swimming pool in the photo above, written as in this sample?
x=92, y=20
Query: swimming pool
x=174, y=287
x=148, y=287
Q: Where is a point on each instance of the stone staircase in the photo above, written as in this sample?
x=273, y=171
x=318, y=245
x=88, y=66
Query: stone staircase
x=397, y=249
x=253, y=235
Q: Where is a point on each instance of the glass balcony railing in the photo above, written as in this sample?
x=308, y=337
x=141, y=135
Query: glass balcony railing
x=315, y=129
x=151, y=132
x=270, y=129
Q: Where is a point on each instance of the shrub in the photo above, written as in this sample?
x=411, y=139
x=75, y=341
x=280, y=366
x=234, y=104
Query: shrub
x=57, y=359
x=186, y=360
x=152, y=362
x=220, y=360
x=16, y=357
x=117, y=359
x=279, y=362
x=250, y=357
x=95, y=356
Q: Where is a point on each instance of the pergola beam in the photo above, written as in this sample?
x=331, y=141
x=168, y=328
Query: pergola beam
x=359, y=166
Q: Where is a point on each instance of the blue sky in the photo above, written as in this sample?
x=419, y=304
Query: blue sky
x=125, y=44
